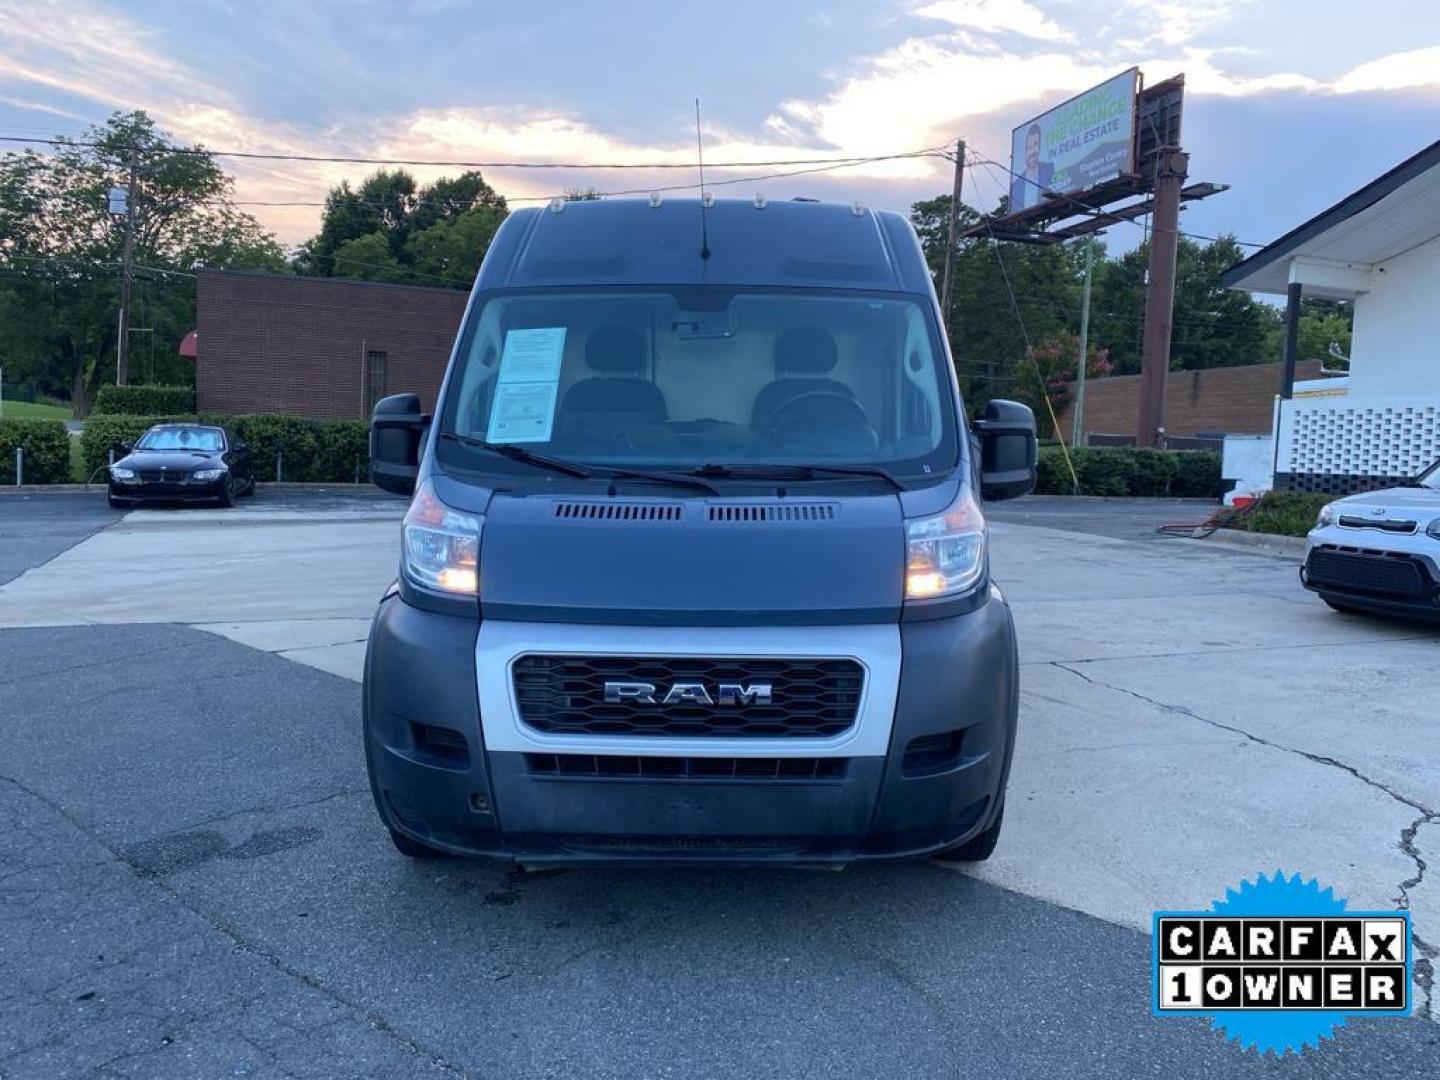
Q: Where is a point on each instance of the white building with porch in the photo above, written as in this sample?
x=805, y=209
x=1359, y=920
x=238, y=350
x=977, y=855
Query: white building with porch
x=1380, y=249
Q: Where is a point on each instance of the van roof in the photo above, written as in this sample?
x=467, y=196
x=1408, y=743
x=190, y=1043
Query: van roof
x=632, y=242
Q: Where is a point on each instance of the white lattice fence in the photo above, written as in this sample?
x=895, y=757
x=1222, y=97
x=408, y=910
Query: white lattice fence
x=1346, y=443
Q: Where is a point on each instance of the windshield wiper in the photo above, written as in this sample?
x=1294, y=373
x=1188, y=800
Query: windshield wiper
x=574, y=468
x=797, y=472
x=519, y=453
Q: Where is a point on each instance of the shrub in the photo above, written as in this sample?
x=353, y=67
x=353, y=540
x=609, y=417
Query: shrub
x=1152, y=471
x=45, y=446
x=344, y=451
x=291, y=437
x=144, y=400
x=1126, y=470
x=1286, y=513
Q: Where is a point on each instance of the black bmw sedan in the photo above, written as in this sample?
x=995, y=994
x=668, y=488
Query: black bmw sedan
x=182, y=463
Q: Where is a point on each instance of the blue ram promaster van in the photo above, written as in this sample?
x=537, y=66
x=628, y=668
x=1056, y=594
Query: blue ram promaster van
x=696, y=563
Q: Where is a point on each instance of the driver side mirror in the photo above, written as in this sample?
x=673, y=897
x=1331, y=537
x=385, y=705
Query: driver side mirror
x=1008, y=450
x=123, y=448
x=397, y=428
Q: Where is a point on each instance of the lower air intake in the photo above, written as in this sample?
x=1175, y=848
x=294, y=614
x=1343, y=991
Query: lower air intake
x=627, y=767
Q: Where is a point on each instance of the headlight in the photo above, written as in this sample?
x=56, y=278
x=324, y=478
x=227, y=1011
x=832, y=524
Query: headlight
x=1326, y=516
x=1433, y=529
x=945, y=554
x=441, y=548
x=207, y=474
x=121, y=473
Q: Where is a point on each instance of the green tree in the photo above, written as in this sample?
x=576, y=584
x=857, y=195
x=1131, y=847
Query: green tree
x=1211, y=326
x=60, y=249
x=368, y=258
x=987, y=338
x=432, y=235
x=1323, y=324
x=451, y=249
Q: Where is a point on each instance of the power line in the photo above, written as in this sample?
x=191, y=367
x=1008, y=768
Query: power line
x=416, y=202
x=326, y=159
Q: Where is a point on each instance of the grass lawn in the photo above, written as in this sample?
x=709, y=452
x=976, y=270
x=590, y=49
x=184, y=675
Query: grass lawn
x=24, y=410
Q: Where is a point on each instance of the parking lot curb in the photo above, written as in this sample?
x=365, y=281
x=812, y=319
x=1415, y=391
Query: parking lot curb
x=1269, y=542
x=50, y=489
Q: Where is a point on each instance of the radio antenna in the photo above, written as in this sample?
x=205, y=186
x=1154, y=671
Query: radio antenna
x=700, y=157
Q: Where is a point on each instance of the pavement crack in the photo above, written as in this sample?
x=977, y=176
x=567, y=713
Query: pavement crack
x=433, y=1058
x=281, y=808
x=1424, y=966
x=1319, y=759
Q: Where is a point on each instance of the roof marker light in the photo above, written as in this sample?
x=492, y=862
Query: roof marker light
x=654, y=200
x=759, y=202
x=556, y=205
x=858, y=209
x=708, y=199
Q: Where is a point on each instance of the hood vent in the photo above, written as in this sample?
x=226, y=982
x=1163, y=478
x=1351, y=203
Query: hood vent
x=618, y=511
x=772, y=513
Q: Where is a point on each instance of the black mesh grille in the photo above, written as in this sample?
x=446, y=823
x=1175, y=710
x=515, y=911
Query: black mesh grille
x=566, y=695
x=164, y=476
x=1396, y=575
x=629, y=767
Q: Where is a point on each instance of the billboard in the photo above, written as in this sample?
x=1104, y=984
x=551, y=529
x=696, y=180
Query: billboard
x=1077, y=145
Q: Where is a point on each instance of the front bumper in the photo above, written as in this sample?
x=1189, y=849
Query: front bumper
x=958, y=684
x=1387, y=575
x=190, y=491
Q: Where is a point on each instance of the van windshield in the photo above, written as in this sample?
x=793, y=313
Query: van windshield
x=692, y=376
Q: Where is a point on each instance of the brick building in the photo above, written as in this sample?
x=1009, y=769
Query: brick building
x=1232, y=400
x=318, y=346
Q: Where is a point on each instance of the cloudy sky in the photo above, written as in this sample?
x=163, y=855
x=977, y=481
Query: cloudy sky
x=1292, y=104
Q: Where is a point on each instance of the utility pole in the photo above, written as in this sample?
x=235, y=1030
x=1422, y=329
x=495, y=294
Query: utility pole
x=1171, y=166
x=1077, y=414
x=122, y=371
x=950, y=242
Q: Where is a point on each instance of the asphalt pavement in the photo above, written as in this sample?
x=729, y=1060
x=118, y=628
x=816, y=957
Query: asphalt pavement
x=193, y=883
x=36, y=528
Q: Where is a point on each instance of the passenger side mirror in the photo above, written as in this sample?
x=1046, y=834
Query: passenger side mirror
x=397, y=428
x=1008, y=450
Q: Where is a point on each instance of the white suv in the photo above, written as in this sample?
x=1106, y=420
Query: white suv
x=1379, y=551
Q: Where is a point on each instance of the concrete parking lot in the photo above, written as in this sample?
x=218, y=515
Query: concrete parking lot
x=193, y=881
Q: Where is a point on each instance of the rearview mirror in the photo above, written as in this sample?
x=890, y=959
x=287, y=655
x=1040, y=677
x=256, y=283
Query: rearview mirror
x=397, y=428
x=1008, y=450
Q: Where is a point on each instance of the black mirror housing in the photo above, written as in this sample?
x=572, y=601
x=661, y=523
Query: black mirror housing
x=397, y=428
x=1009, y=451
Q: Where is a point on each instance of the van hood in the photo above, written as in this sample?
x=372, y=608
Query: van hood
x=693, y=561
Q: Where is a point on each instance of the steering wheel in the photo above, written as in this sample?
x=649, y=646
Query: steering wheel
x=830, y=397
